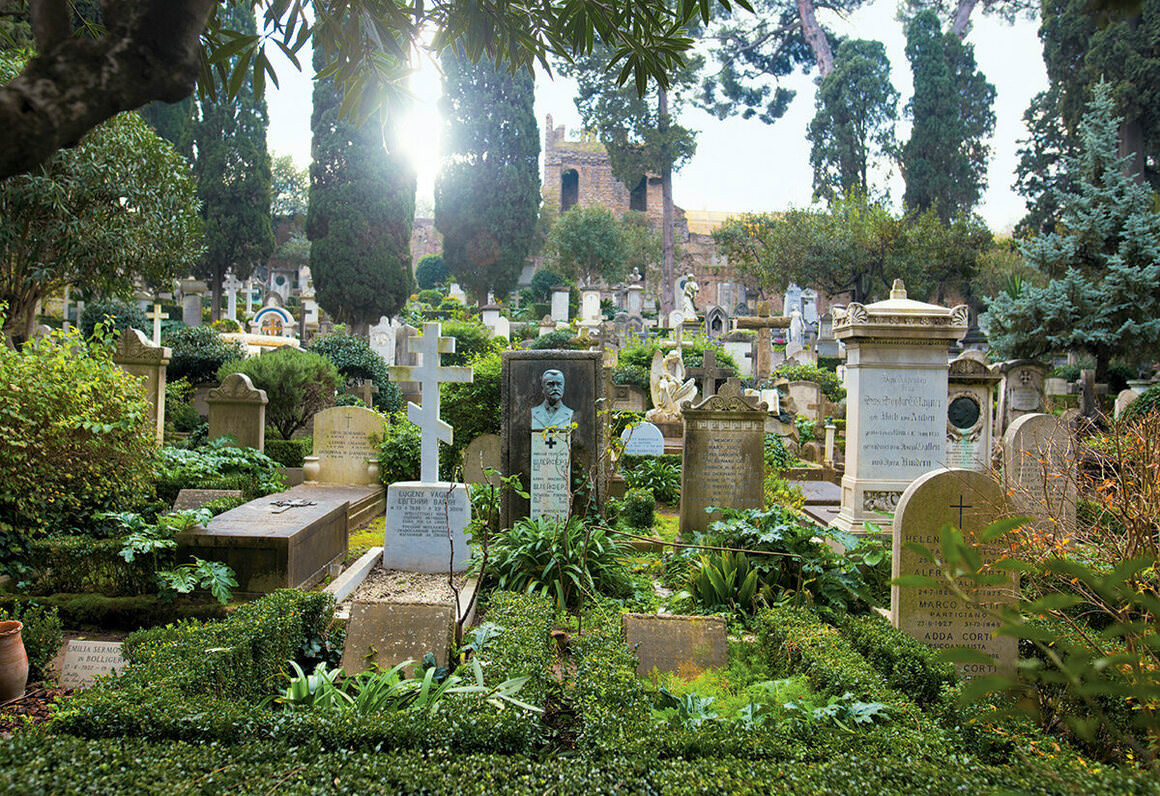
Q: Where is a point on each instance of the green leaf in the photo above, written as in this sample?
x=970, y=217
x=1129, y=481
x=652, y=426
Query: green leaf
x=999, y=528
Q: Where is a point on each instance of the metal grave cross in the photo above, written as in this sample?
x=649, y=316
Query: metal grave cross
x=960, y=507
x=430, y=374
x=157, y=316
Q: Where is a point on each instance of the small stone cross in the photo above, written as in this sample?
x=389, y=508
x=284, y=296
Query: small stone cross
x=709, y=373
x=960, y=507
x=157, y=316
x=763, y=322
x=430, y=374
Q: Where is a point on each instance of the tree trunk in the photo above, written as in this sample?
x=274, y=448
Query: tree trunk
x=816, y=37
x=667, y=282
x=962, y=17
x=215, y=293
x=1132, y=146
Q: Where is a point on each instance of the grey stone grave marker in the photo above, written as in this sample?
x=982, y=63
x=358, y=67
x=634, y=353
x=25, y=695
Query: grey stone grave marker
x=238, y=408
x=84, y=661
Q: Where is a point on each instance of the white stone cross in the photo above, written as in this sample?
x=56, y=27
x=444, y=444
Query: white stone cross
x=157, y=316
x=430, y=374
x=231, y=284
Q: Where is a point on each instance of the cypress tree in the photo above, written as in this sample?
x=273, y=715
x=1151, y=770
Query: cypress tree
x=488, y=191
x=361, y=210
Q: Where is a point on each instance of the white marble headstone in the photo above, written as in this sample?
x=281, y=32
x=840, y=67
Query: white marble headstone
x=644, y=439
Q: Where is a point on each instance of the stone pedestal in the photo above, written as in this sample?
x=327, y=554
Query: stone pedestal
x=138, y=356
x=425, y=528
x=238, y=408
x=897, y=406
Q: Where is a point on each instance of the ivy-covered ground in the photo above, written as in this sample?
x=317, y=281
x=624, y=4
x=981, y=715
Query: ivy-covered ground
x=872, y=712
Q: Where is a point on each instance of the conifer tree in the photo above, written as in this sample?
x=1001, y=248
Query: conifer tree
x=361, y=210
x=1103, y=260
x=232, y=168
x=945, y=161
x=488, y=191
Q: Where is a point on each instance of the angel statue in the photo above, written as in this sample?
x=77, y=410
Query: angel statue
x=669, y=388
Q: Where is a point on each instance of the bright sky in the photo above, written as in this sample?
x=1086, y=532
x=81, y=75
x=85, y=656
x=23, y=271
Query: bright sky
x=742, y=165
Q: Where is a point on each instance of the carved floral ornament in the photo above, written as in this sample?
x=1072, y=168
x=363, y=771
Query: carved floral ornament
x=133, y=347
x=728, y=399
x=237, y=388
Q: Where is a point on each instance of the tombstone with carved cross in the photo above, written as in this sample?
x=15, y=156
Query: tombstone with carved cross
x=968, y=501
x=709, y=373
x=426, y=518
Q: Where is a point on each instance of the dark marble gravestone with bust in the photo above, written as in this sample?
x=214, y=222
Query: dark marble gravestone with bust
x=522, y=390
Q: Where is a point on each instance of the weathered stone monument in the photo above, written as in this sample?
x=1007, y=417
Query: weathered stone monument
x=345, y=447
x=382, y=339
x=897, y=407
x=238, y=408
x=426, y=519
x=139, y=357
x=970, y=398
x=552, y=432
x=1124, y=399
x=969, y=501
x=560, y=304
x=809, y=400
x=709, y=373
x=1021, y=392
x=191, y=292
x=724, y=462
x=764, y=322
x=1039, y=470
x=481, y=455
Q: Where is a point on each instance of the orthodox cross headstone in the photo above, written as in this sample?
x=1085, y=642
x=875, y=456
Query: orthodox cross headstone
x=763, y=322
x=970, y=501
x=429, y=373
x=157, y=316
x=709, y=373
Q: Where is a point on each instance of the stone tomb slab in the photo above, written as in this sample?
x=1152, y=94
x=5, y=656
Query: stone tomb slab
x=84, y=661
x=583, y=394
x=419, y=514
x=275, y=546
x=820, y=493
x=196, y=498
x=934, y=615
x=686, y=645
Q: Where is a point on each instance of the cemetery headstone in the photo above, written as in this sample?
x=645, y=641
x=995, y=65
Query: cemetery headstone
x=344, y=451
x=84, y=661
x=684, y=645
x=1124, y=400
x=716, y=321
x=480, y=455
x=709, y=373
x=970, y=395
x=137, y=355
x=191, y=292
x=382, y=339
x=426, y=519
x=809, y=399
x=1021, y=392
x=764, y=322
x=634, y=299
x=560, y=305
x=827, y=343
x=544, y=394
x=897, y=406
x=643, y=439
x=238, y=408
x=1039, y=470
x=723, y=456
x=970, y=501
x=157, y=316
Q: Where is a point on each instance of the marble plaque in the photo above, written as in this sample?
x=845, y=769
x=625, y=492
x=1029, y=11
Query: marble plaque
x=970, y=501
x=344, y=445
x=903, y=423
x=84, y=661
x=644, y=439
x=426, y=524
x=1025, y=399
x=550, y=472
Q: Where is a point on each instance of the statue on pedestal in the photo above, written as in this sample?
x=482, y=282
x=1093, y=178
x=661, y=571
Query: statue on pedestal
x=669, y=388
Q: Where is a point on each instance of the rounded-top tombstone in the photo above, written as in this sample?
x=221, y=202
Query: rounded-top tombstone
x=970, y=501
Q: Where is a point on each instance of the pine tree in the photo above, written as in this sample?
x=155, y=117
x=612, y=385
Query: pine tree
x=1103, y=260
x=488, y=191
x=945, y=161
x=361, y=210
x=232, y=168
x=856, y=110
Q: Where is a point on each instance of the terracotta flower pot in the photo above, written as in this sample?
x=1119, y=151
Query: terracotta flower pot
x=13, y=661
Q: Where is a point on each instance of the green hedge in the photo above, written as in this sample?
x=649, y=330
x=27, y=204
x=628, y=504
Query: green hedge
x=525, y=645
x=907, y=664
x=289, y=452
x=120, y=613
x=82, y=564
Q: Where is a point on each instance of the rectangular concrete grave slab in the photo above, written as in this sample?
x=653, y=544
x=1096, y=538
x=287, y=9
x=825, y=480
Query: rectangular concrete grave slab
x=279, y=546
x=388, y=633
x=685, y=645
x=418, y=517
x=820, y=493
x=723, y=462
x=970, y=501
x=196, y=498
x=84, y=661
